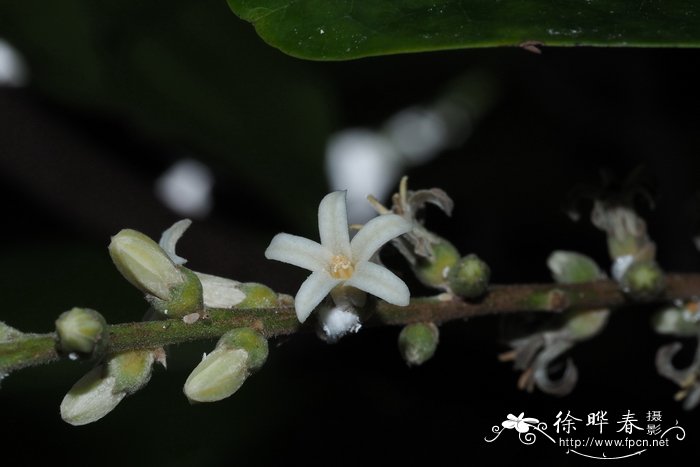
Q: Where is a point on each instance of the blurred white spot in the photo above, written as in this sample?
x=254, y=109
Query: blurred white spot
x=418, y=133
x=13, y=70
x=186, y=188
x=697, y=242
x=363, y=162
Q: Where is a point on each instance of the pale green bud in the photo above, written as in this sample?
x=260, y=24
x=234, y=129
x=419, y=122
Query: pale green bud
x=586, y=324
x=218, y=375
x=433, y=271
x=131, y=370
x=569, y=267
x=643, y=280
x=91, y=398
x=223, y=371
x=257, y=296
x=98, y=392
x=81, y=332
x=249, y=340
x=418, y=342
x=469, y=278
x=185, y=298
x=144, y=264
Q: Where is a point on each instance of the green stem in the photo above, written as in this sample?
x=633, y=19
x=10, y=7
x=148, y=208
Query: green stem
x=37, y=349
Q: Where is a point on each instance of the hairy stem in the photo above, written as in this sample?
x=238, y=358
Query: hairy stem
x=37, y=349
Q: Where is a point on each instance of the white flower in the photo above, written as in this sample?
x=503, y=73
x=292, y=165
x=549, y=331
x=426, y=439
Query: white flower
x=338, y=261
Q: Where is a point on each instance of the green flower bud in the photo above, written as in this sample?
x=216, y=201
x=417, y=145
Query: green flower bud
x=185, y=298
x=569, y=267
x=643, y=280
x=586, y=324
x=469, y=277
x=91, y=398
x=223, y=371
x=433, y=271
x=98, y=392
x=249, y=340
x=257, y=296
x=676, y=321
x=131, y=370
x=144, y=264
x=81, y=332
x=417, y=342
x=218, y=375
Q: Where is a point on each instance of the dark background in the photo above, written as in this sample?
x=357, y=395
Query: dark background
x=119, y=92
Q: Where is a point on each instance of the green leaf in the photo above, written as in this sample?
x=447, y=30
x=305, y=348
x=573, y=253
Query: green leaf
x=345, y=29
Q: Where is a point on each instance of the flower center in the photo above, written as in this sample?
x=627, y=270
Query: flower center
x=341, y=267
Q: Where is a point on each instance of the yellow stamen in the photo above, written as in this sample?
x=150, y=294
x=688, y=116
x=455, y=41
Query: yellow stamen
x=341, y=267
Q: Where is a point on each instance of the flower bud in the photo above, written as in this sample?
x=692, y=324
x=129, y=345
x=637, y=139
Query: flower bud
x=417, y=342
x=223, y=371
x=569, y=267
x=81, y=331
x=469, y=278
x=643, y=280
x=144, y=264
x=131, y=370
x=257, y=296
x=218, y=375
x=98, y=392
x=91, y=398
x=432, y=271
x=185, y=298
x=586, y=324
x=249, y=340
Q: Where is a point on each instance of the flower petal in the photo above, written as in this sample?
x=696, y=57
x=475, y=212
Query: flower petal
x=508, y=424
x=380, y=282
x=298, y=251
x=219, y=292
x=171, y=236
x=376, y=233
x=522, y=427
x=333, y=223
x=312, y=291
